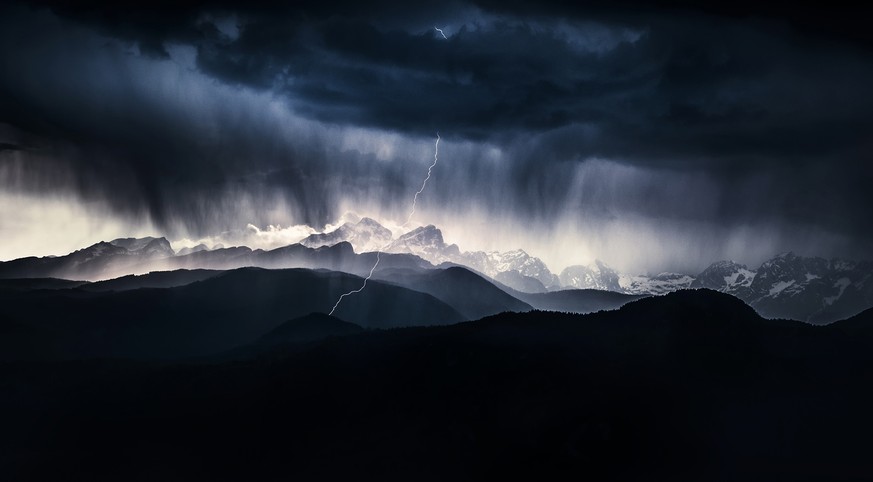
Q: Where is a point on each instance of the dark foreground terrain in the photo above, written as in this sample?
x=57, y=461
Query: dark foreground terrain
x=689, y=386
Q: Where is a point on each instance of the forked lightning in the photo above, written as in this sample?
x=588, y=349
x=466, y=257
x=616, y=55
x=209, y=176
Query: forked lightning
x=436, y=153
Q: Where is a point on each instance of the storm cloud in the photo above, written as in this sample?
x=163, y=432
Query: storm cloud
x=654, y=138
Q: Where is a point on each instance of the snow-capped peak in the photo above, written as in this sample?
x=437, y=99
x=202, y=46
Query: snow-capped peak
x=364, y=235
x=597, y=275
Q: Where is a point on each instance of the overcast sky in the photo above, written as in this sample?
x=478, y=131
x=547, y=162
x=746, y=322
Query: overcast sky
x=653, y=138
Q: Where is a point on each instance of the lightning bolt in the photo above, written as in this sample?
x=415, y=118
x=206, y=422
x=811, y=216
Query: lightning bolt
x=436, y=154
x=441, y=32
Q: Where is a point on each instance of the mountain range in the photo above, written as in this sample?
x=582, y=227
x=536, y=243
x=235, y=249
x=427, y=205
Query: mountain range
x=692, y=385
x=191, y=313
x=789, y=286
x=185, y=318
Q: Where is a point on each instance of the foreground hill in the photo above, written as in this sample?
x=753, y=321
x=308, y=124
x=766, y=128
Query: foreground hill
x=208, y=316
x=690, y=386
x=859, y=326
x=308, y=328
x=471, y=294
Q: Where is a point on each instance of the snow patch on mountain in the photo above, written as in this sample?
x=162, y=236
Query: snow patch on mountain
x=365, y=235
x=779, y=287
x=841, y=285
x=659, y=284
x=597, y=276
x=428, y=243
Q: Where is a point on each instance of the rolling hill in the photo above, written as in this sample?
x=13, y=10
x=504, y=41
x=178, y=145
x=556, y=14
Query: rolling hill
x=209, y=316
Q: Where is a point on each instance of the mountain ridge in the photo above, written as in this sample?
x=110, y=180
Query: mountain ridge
x=806, y=288
x=206, y=316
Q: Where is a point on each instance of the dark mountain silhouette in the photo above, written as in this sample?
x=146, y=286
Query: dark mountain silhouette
x=156, y=279
x=577, y=301
x=338, y=257
x=312, y=327
x=108, y=260
x=219, y=259
x=692, y=385
x=859, y=326
x=192, y=249
x=231, y=309
x=469, y=293
x=525, y=284
x=104, y=259
x=28, y=284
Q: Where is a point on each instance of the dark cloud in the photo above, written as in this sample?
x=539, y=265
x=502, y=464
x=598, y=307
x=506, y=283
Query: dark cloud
x=766, y=106
x=690, y=86
x=837, y=21
x=338, y=56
